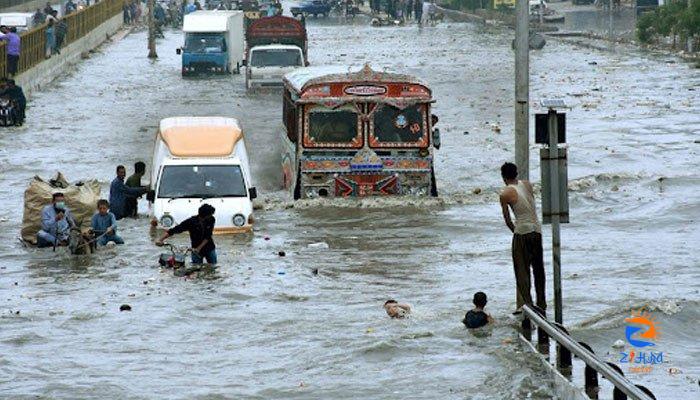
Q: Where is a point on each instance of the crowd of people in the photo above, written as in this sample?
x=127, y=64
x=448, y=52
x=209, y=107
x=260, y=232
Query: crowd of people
x=57, y=220
x=404, y=10
x=132, y=12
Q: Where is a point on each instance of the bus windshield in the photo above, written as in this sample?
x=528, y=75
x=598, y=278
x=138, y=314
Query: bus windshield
x=201, y=181
x=276, y=58
x=393, y=125
x=332, y=126
x=205, y=43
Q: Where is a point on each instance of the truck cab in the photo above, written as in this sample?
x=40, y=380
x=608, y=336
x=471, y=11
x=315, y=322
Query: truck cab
x=214, y=42
x=268, y=64
x=276, y=46
x=21, y=21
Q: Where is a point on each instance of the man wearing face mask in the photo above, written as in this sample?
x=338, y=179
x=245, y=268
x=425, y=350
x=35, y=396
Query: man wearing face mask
x=201, y=229
x=56, y=221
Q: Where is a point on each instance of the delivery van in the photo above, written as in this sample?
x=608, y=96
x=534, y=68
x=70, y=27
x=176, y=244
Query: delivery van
x=214, y=42
x=199, y=160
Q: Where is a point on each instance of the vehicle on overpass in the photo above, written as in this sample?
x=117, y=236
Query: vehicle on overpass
x=276, y=46
x=313, y=7
x=354, y=132
x=199, y=160
x=214, y=42
x=21, y=21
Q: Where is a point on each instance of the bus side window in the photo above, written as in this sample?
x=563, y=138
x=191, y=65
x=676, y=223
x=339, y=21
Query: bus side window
x=289, y=112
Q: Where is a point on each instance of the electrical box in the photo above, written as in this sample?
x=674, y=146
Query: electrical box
x=542, y=128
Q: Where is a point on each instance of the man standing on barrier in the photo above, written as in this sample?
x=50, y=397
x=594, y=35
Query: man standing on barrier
x=527, y=236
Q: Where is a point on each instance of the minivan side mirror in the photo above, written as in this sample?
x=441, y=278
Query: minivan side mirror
x=252, y=193
x=178, y=51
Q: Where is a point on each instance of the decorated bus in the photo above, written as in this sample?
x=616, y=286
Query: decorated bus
x=355, y=132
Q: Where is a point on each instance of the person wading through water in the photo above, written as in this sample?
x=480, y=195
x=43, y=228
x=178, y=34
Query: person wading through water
x=201, y=228
x=527, y=236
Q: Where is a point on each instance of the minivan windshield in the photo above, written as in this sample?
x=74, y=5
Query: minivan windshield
x=201, y=181
x=276, y=58
x=205, y=43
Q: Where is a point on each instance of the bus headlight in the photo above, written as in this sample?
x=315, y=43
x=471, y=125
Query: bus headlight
x=238, y=220
x=167, y=221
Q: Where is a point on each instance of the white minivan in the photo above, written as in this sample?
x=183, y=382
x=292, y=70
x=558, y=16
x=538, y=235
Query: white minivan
x=198, y=160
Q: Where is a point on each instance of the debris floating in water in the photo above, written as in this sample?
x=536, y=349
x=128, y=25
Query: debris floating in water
x=281, y=253
x=314, y=271
x=125, y=307
x=619, y=343
x=319, y=245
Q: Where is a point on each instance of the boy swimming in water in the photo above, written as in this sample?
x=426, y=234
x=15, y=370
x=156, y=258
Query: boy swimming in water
x=395, y=309
x=477, y=318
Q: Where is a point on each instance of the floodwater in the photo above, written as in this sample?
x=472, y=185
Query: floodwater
x=264, y=326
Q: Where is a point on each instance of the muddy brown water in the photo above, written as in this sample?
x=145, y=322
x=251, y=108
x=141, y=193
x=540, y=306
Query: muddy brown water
x=264, y=326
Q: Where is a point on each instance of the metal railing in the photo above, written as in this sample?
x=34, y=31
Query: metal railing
x=33, y=42
x=566, y=346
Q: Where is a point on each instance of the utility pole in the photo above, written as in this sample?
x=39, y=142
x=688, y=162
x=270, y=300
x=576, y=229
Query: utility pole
x=690, y=37
x=522, y=89
x=554, y=192
x=151, y=31
x=610, y=20
x=555, y=198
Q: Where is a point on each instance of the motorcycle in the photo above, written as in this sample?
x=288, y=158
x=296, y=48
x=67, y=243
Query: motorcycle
x=8, y=113
x=177, y=261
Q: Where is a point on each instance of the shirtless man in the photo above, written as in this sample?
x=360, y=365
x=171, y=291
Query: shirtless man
x=395, y=309
x=518, y=197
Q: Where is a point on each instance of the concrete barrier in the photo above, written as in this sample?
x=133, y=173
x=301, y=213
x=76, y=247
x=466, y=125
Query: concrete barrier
x=49, y=69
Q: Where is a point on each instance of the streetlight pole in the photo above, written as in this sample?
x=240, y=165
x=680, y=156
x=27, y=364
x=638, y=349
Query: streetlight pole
x=553, y=129
x=151, y=31
x=522, y=89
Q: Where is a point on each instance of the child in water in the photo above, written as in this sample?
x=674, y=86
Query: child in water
x=477, y=318
x=104, y=225
x=395, y=309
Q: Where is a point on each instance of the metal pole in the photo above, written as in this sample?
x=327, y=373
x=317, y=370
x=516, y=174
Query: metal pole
x=522, y=89
x=610, y=20
x=151, y=31
x=554, y=193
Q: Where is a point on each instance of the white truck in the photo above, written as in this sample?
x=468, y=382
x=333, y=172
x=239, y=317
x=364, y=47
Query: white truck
x=276, y=46
x=198, y=160
x=22, y=21
x=214, y=42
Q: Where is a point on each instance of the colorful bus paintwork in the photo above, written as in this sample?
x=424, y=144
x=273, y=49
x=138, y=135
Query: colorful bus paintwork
x=356, y=132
